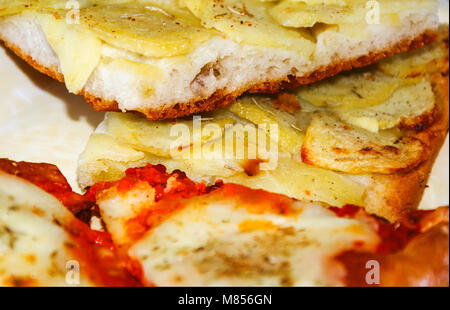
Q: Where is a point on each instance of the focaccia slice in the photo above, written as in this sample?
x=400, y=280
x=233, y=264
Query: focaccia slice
x=167, y=59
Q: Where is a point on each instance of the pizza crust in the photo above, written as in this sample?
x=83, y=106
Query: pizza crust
x=393, y=196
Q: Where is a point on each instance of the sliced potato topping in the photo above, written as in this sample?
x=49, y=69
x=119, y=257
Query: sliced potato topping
x=355, y=89
x=429, y=59
x=305, y=182
x=157, y=137
x=410, y=106
x=333, y=144
x=327, y=2
x=262, y=112
x=164, y=28
x=296, y=13
x=10, y=7
x=150, y=30
x=299, y=14
x=249, y=21
x=72, y=42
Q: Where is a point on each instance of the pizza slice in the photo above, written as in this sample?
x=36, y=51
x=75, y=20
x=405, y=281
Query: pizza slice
x=368, y=137
x=186, y=234
x=167, y=59
x=161, y=229
x=42, y=243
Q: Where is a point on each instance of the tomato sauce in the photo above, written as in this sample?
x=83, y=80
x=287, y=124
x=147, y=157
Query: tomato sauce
x=100, y=260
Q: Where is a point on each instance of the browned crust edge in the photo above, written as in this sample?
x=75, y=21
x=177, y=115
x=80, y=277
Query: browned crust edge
x=52, y=72
x=394, y=196
x=222, y=98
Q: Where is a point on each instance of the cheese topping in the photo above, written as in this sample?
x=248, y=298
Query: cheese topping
x=237, y=236
x=34, y=248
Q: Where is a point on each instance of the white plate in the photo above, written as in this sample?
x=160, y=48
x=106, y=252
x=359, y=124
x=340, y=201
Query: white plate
x=41, y=122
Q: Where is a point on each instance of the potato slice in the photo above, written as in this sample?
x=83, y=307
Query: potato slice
x=410, y=106
x=153, y=30
x=332, y=144
x=299, y=14
x=304, y=182
x=155, y=137
x=327, y=2
x=106, y=159
x=9, y=7
x=249, y=21
x=428, y=59
x=262, y=112
x=356, y=89
x=315, y=2
x=72, y=42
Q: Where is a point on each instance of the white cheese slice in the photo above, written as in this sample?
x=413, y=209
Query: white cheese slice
x=227, y=240
x=34, y=248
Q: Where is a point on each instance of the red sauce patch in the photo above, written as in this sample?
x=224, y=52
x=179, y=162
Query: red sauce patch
x=170, y=190
x=346, y=211
x=258, y=201
x=157, y=177
x=411, y=253
x=100, y=260
x=393, y=236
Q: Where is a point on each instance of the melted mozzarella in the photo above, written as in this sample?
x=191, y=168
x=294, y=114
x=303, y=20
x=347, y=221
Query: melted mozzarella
x=216, y=241
x=34, y=248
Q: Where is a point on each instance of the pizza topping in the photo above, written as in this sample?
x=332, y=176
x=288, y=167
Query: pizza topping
x=71, y=42
x=153, y=30
x=335, y=145
x=49, y=178
x=410, y=107
x=356, y=89
x=287, y=102
x=302, y=14
x=129, y=205
x=156, y=137
x=237, y=236
x=264, y=113
x=42, y=243
x=297, y=14
x=234, y=235
x=249, y=21
x=428, y=59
